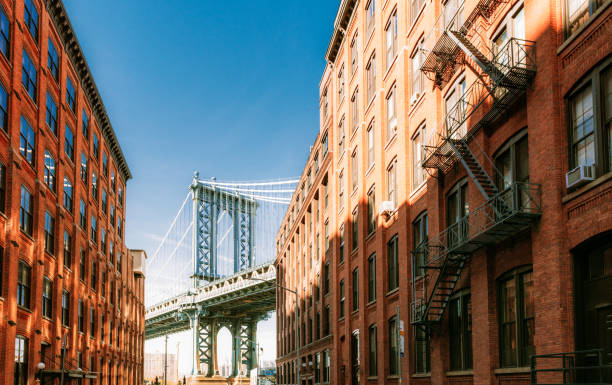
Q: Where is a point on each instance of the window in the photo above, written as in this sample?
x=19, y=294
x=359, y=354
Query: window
x=373, y=351
x=23, y=285
x=326, y=320
x=341, y=83
x=421, y=350
x=324, y=150
x=69, y=144
x=49, y=171
x=455, y=108
x=355, y=111
x=94, y=233
x=104, y=201
x=325, y=104
x=92, y=324
x=25, y=211
x=391, y=38
x=457, y=209
x=85, y=125
x=119, y=228
x=103, y=288
x=105, y=163
x=21, y=361
x=370, y=11
x=355, y=283
x=453, y=14
x=27, y=141
x=355, y=229
x=103, y=240
x=53, y=60
x=112, y=215
x=120, y=196
x=84, y=168
x=67, y=250
x=578, y=12
x=392, y=264
x=513, y=162
x=341, y=135
x=3, y=107
x=2, y=193
x=516, y=318
x=371, y=78
x=28, y=76
x=354, y=53
x=70, y=95
x=418, y=172
x=49, y=233
x=415, y=9
x=94, y=186
x=417, y=75
x=341, y=190
x=68, y=200
x=66, y=308
x=391, y=114
x=96, y=146
x=341, y=245
x=342, y=299
x=326, y=370
x=94, y=274
x=460, y=331
x=83, y=215
x=30, y=18
x=82, y=265
x=420, y=236
x=5, y=34
x=393, y=351
x=372, y=278
x=371, y=210
x=391, y=182
x=591, y=133
x=47, y=298
x=113, y=180
x=354, y=170
x=51, y=114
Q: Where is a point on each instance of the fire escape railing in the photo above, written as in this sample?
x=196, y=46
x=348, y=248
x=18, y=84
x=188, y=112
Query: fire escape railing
x=575, y=368
x=500, y=217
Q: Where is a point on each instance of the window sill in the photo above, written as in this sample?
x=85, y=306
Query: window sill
x=19, y=307
x=391, y=140
x=372, y=302
x=590, y=21
x=391, y=292
x=517, y=370
x=389, y=68
x=372, y=378
x=421, y=375
x=455, y=373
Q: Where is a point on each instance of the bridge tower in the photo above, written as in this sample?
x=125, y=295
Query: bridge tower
x=209, y=202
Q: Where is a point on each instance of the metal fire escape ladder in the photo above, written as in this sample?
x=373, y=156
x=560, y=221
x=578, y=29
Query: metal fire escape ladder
x=477, y=56
x=474, y=168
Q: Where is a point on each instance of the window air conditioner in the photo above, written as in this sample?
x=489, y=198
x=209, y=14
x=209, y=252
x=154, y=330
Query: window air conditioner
x=580, y=175
x=387, y=208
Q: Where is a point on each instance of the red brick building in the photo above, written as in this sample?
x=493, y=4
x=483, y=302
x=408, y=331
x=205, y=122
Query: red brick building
x=459, y=190
x=66, y=276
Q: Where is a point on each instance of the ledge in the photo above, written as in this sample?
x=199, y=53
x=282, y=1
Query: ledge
x=456, y=373
x=519, y=370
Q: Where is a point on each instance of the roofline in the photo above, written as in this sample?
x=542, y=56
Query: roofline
x=58, y=14
x=345, y=12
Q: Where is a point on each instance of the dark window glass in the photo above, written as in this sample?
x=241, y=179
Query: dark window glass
x=70, y=95
x=30, y=18
x=94, y=232
x=104, y=201
x=460, y=331
x=457, y=209
x=393, y=352
x=421, y=350
x=1, y=268
x=373, y=350
x=342, y=299
x=94, y=274
x=69, y=143
x=85, y=125
x=3, y=109
x=92, y=325
x=53, y=60
x=83, y=215
x=94, y=186
x=96, y=147
x=372, y=278
x=105, y=163
x=355, y=299
x=49, y=171
x=23, y=285
x=371, y=211
x=103, y=240
x=51, y=114
x=25, y=211
x=47, y=298
x=27, y=141
x=326, y=320
x=516, y=318
x=81, y=317
x=326, y=278
x=67, y=250
x=28, y=75
x=392, y=264
x=21, y=361
x=66, y=308
x=341, y=245
x=5, y=34
x=82, y=265
x=355, y=229
x=49, y=233
x=420, y=235
x=84, y=168
x=2, y=188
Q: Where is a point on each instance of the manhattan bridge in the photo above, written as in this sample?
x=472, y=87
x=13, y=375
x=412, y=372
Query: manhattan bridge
x=214, y=268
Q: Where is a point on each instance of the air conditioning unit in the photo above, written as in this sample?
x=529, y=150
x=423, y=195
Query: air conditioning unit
x=414, y=98
x=580, y=175
x=387, y=208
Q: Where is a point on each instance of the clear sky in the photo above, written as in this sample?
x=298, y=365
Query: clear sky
x=229, y=88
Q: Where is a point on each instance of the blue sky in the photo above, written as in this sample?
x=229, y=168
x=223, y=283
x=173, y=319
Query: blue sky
x=229, y=88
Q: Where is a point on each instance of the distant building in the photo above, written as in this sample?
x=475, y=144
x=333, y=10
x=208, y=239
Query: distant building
x=154, y=367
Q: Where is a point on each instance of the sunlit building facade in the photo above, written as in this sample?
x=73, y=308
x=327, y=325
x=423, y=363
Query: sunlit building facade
x=452, y=223
x=70, y=290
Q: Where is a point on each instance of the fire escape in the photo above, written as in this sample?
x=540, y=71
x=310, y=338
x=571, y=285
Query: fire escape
x=503, y=76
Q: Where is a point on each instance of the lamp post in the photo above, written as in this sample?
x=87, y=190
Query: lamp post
x=297, y=325
x=40, y=366
x=258, y=349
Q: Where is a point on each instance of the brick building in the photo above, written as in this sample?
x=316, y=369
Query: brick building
x=461, y=178
x=66, y=276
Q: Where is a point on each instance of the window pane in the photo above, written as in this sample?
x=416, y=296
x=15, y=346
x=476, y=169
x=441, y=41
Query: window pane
x=582, y=127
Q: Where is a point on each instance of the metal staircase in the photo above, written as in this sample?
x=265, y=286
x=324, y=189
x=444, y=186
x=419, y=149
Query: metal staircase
x=438, y=263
